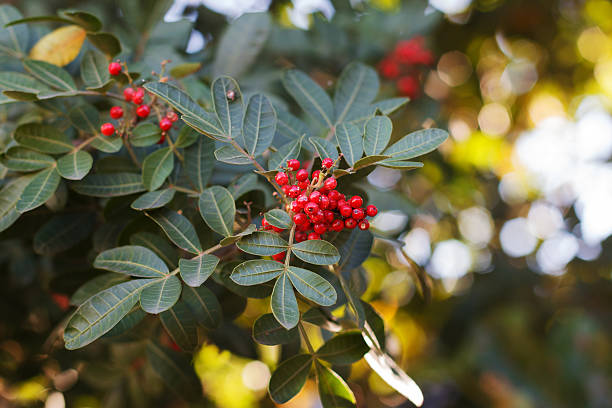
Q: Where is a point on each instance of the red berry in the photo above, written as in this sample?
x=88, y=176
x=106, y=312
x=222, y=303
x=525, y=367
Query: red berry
x=350, y=223
x=286, y=189
x=324, y=202
x=345, y=210
x=265, y=224
x=276, y=229
x=333, y=204
x=327, y=163
x=143, y=111
x=389, y=68
x=294, y=191
x=314, y=196
x=333, y=195
x=320, y=228
x=293, y=164
x=279, y=257
x=371, y=210
x=161, y=139
x=303, y=185
x=358, y=214
x=301, y=236
x=313, y=236
x=317, y=216
x=408, y=86
x=330, y=183
x=301, y=175
x=328, y=216
x=342, y=203
x=364, y=225
x=107, y=129
x=231, y=95
x=114, y=68
x=165, y=124
x=295, y=207
x=128, y=94
x=304, y=227
x=300, y=218
x=356, y=201
x=337, y=225
x=281, y=178
x=302, y=200
x=315, y=174
x=138, y=96
x=116, y=112
x=172, y=116
x=311, y=208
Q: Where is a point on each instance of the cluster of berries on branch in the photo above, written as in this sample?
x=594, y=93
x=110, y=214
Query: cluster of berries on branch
x=405, y=64
x=315, y=205
x=137, y=95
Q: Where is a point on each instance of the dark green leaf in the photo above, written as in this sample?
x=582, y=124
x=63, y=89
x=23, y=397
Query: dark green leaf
x=40, y=189
x=88, y=21
x=377, y=134
x=256, y=271
x=132, y=260
x=235, y=238
x=284, y=304
x=376, y=323
x=230, y=155
x=368, y=161
x=177, y=98
x=95, y=285
x=13, y=40
x=153, y=199
x=199, y=162
x=42, y=138
x=178, y=229
x=289, y=378
x=312, y=286
x=145, y=134
x=75, y=166
x=310, y=96
x=317, y=252
x=279, y=219
x=416, y=144
x=206, y=124
x=161, y=295
x=333, y=391
x=9, y=196
x=356, y=88
x=388, y=106
x=287, y=151
x=289, y=127
x=350, y=140
x=401, y=164
x=229, y=110
x=259, y=125
x=262, y=243
x=218, y=209
x=105, y=42
x=204, y=306
x=324, y=148
x=109, y=185
x=156, y=167
x=94, y=70
x=267, y=331
x=50, y=74
x=157, y=244
x=354, y=247
x=186, y=137
x=344, y=348
x=62, y=232
x=16, y=81
x=22, y=159
x=174, y=369
x=185, y=69
x=181, y=325
x=195, y=271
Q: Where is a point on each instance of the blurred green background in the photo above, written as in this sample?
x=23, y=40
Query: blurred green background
x=510, y=219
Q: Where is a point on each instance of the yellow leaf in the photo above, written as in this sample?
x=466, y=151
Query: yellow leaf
x=59, y=47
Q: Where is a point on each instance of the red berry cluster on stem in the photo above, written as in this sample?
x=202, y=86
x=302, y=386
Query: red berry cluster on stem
x=316, y=206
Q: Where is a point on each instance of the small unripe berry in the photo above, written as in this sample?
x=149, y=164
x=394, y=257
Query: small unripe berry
x=116, y=112
x=114, y=68
x=371, y=210
x=172, y=116
x=279, y=257
x=165, y=124
x=230, y=95
x=143, y=111
x=356, y=201
x=345, y=211
x=364, y=225
x=128, y=94
x=107, y=129
x=350, y=223
x=328, y=163
x=281, y=178
x=293, y=164
x=337, y=225
x=358, y=214
x=300, y=218
x=330, y=183
x=301, y=175
x=313, y=236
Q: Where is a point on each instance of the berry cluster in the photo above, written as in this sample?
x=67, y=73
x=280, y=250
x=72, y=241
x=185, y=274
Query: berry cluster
x=137, y=97
x=404, y=65
x=317, y=207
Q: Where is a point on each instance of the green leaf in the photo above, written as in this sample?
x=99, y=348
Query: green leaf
x=16, y=81
x=129, y=321
x=235, y=238
x=218, y=209
x=199, y=162
x=185, y=69
x=284, y=304
x=368, y=161
x=42, y=138
x=310, y=96
x=177, y=98
x=259, y=125
x=98, y=314
x=317, y=252
x=87, y=119
x=195, y=271
x=354, y=302
x=401, y=164
x=41, y=188
x=22, y=159
x=156, y=167
x=229, y=154
x=333, y=391
x=279, y=219
x=174, y=369
x=354, y=247
x=377, y=134
x=312, y=286
x=157, y=244
x=50, y=74
x=356, y=88
x=206, y=124
x=204, y=306
x=350, y=140
x=161, y=295
x=376, y=323
x=9, y=196
x=62, y=232
x=181, y=325
x=416, y=144
x=95, y=285
x=324, y=148
x=109, y=185
x=145, y=134
x=75, y=166
x=267, y=331
x=88, y=21
x=344, y=348
x=229, y=111
x=244, y=184
x=393, y=375
x=388, y=106
x=153, y=199
x=289, y=127
x=287, y=151
x=257, y=291
x=262, y=243
x=13, y=40
x=178, y=228
x=256, y=271
x=105, y=42
x=132, y=260
x=289, y=378
x=186, y=137
x=240, y=44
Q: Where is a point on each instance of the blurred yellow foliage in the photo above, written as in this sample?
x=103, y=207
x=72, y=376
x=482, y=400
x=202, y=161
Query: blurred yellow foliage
x=59, y=47
x=483, y=152
x=386, y=5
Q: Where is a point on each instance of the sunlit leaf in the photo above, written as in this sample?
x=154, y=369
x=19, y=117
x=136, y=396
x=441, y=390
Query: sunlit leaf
x=333, y=390
x=60, y=47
